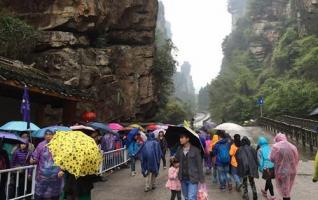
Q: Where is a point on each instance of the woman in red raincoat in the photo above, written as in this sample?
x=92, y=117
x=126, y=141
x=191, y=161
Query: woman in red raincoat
x=285, y=157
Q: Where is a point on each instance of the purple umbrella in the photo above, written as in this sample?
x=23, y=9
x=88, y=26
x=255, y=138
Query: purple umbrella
x=11, y=138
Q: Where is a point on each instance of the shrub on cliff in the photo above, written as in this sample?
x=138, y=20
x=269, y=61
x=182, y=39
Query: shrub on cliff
x=164, y=68
x=17, y=39
x=174, y=112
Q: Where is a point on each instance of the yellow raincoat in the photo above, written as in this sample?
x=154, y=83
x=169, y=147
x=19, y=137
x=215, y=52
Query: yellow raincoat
x=215, y=139
x=316, y=168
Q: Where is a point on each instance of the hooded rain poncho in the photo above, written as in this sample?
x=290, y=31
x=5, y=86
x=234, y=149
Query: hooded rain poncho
x=285, y=157
x=316, y=168
x=150, y=155
x=247, y=160
x=264, y=154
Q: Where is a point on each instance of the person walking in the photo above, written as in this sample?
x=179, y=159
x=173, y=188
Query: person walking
x=266, y=167
x=163, y=146
x=150, y=155
x=20, y=158
x=223, y=159
x=207, y=155
x=173, y=182
x=247, y=166
x=191, y=168
x=233, y=151
x=133, y=148
x=49, y=177
x=215, y=139
x=4, y=164
x=315, y=178
x=78, y=188
x=285, y=157
x=25, y=136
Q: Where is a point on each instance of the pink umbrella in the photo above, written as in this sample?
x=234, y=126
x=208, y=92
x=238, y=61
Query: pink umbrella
x=115, y=126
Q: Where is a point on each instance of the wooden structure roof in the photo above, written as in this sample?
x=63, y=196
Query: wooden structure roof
x=16, y=74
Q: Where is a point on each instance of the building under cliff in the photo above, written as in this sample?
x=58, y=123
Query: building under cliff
x=105, y=48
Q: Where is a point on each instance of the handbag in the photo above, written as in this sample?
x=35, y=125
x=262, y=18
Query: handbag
x=202, y=192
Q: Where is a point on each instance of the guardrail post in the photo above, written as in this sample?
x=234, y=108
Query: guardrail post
x=125, y=155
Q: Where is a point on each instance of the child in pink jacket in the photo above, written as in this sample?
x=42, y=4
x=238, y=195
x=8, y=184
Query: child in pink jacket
x=173, y=182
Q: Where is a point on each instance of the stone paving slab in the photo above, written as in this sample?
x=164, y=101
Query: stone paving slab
x=121, y=186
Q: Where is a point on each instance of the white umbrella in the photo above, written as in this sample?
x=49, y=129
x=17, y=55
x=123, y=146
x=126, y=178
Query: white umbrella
x=143, y=136
x=156, y=132
x=230, y=126
x=232, y=129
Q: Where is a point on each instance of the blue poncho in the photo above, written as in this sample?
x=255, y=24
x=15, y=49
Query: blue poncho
x=150, y=155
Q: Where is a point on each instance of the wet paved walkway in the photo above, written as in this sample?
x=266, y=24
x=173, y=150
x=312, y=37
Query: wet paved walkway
x=121, y=186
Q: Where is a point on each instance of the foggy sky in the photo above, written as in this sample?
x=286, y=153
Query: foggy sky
x=198, y=28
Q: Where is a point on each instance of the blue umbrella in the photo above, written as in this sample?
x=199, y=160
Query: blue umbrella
x=131, y=135
x=19, y=126
x=100, y=126
x=40, y=133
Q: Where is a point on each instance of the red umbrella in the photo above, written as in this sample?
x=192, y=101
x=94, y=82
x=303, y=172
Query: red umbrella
x=89, y=116
x=152, y=127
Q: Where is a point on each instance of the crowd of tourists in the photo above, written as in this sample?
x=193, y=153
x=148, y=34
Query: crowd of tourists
x=233, y=163
x=51, y=182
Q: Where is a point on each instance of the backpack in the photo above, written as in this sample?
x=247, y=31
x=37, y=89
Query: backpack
x=224, y=154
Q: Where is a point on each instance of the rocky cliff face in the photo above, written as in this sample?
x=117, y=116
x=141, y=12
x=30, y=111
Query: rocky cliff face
x=104, y=46
x=268, y=19
x=184, y=89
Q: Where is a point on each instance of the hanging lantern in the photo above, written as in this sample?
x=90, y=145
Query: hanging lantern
x=89, y=116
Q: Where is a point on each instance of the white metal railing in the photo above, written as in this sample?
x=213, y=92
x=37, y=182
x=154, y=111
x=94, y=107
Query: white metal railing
x=19, y=182
x=113, y=159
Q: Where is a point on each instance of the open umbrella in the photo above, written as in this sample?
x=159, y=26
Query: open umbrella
x=156, y=132
x=115, y=126
x=233, y=129
x=152, y=127
x=19, y=126
x=173, y=135
x=85, y=129
x=75, y=152
x=11, y=138
x=132, y=134
x=40, y=133
x=314, y=112
x=208, y=125
x=100, y=126
x=136, y=126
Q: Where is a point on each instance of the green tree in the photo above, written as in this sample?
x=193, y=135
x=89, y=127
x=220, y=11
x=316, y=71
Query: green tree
x=17, y=39
x=164, y=68
x=174, y=112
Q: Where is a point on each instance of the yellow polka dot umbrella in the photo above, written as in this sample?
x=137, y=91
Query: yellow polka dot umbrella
x=75, y=152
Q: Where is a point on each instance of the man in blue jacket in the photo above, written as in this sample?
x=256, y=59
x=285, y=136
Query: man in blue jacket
x=222, y=152
x=150, y=155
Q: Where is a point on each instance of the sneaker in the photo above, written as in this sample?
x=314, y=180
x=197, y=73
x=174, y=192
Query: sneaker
x=254, y=196
x=271, y=198
x=245, y=196
x=133, y=173
x=264, y=193
x=222, y=189
x=230, y=187
x=147, y=189
x=238, y=187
